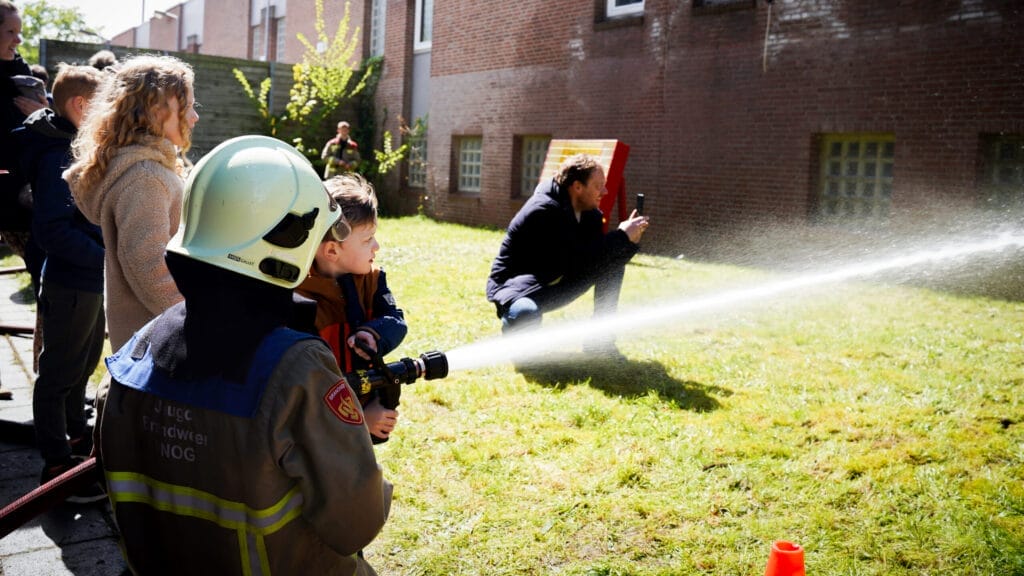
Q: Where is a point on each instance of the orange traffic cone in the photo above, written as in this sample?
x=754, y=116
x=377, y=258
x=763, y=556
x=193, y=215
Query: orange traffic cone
x=785, y=559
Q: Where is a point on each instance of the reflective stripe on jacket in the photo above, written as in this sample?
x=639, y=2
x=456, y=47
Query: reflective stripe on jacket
x=275, y=475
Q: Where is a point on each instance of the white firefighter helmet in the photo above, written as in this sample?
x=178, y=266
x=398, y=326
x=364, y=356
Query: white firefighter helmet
x=254, y=205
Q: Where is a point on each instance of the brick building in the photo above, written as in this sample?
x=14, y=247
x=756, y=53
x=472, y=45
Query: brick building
x=220, y=28
x=827, y=115
x=872, y=112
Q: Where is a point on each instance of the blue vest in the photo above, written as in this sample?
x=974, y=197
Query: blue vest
x=214, y=393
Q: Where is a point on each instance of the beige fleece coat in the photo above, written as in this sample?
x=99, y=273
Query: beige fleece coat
x=138, y=207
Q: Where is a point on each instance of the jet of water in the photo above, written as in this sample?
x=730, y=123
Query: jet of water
x=530, y=345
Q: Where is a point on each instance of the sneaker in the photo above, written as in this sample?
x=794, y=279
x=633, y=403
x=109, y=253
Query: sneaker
x=92, y=492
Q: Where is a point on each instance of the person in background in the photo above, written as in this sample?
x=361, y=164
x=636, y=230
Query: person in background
x=353, y=301
x=231, y=444
x=340, y=154
x=71, y=296
x=15, y=197
x=103, y=59
x=39, y=71
x=555, y=249
x=127, y=178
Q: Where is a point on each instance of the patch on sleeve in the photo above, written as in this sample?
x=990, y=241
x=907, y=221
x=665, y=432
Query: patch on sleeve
x=341, y=402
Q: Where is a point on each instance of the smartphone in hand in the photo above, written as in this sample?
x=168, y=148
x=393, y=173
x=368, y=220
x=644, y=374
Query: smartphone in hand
x=640, y=204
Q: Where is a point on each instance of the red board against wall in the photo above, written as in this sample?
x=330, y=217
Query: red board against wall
x=611, y=154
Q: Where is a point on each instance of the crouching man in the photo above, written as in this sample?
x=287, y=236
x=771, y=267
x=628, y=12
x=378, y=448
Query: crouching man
x=231, y=444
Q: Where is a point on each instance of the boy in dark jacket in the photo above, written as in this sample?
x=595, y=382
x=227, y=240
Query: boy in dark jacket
x=71, y=294
x=353, y=301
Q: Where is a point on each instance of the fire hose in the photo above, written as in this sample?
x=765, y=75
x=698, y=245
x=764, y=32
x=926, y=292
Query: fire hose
x=429, y=366
x=48, y=495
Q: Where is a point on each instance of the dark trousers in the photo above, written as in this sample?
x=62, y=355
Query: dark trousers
x=528, y=311
x=73, y=330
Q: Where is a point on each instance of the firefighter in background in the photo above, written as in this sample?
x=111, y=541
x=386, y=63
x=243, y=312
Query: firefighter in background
x=340, y=154
x=231, y=444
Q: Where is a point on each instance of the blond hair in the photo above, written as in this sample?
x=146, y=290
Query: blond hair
x=72, y=81
x=128, y=109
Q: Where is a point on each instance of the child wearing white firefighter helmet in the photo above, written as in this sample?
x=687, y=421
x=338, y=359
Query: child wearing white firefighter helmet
x=231, y=444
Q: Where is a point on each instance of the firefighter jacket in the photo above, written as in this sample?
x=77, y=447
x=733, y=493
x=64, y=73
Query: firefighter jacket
x=275, y=475
x=355, y=302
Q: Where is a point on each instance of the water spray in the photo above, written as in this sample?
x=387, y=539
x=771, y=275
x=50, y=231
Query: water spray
x=532, y=345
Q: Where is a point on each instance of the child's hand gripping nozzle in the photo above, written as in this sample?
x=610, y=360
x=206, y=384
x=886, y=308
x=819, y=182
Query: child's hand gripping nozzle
x=388, y=378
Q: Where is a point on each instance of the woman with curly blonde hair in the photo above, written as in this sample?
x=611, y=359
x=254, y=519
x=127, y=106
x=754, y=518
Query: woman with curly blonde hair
x=127, y=177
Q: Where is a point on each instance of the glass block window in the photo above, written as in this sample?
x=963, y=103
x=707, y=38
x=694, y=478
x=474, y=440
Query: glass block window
x=856, y=176
x=534, y=150
x=377, y=11
x=624, y=7
x=418, y=161
x=471, y=156
x=258, y=45
x=1002, y=171
x=282, y=35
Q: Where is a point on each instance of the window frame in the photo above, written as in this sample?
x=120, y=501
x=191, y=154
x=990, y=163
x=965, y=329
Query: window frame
x=461, y=163
x=835, y=203
x=995, y=191
x=259, y=43
x=423, y=9
x=378, y=21
x=525, y=177
x=417, y=161
x=280, y=38
x=613, y=11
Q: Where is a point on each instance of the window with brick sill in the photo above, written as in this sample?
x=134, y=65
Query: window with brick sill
x=528, y=163
x=855, y=178
x=378, y=13
x=469, y=163
x=418, y=161
x=424, y=26
x=1001, y=172
x=617, y=8
x=259, y=48
x=280, y=35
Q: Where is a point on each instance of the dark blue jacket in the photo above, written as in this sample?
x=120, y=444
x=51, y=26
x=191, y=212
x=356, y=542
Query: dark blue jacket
x=13, y=216
x=73, y=245
x=544, y=244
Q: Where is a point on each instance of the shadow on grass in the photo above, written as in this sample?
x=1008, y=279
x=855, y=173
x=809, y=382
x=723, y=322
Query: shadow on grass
x=626, y=378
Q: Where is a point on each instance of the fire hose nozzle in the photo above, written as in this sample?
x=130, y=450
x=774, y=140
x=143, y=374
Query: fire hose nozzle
x=434, y=365
x=429, y=366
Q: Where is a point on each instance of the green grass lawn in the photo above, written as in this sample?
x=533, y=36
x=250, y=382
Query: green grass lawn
x=878, y=426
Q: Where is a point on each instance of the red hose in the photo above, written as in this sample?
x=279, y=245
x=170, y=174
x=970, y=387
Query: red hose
x=24, y=509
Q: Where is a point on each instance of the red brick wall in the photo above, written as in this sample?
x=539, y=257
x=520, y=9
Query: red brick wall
x=717, y=143
x=226, y=28
x=393, y=99
x=163, y=32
